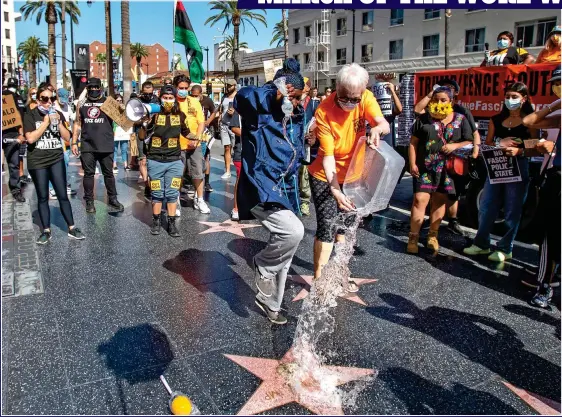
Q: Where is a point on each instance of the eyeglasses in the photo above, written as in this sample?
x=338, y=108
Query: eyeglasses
x=349, y=100
x=45, y=99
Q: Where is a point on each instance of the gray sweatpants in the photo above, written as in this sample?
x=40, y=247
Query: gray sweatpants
x=286, y=232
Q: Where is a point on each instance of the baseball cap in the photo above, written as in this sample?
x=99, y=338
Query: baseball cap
x=167, y=89
x=12, y=82
x=555, y=75
x=555, y=29
x=94, y=82
x=231, y=81
x=63, y=95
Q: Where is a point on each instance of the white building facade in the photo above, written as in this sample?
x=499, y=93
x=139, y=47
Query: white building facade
x=9, y=45
x=406, y=40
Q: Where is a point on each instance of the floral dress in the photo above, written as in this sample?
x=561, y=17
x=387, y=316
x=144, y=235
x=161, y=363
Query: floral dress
x=431, y=162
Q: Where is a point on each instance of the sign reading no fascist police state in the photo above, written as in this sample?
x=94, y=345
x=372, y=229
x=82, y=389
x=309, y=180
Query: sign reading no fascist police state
x=501, y=168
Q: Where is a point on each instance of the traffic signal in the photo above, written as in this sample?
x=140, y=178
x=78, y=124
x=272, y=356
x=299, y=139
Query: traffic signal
x=209, y=89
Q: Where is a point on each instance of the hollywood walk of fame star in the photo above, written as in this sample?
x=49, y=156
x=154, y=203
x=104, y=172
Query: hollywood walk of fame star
x=540, y=404
x=227, y=226
x=274, y=391
x=307, y=281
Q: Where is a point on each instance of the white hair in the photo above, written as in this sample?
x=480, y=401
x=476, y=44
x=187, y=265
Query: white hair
x=352, y=76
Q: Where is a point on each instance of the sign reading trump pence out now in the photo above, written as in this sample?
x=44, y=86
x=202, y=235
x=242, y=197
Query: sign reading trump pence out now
x=10, y=114
x=501, y=168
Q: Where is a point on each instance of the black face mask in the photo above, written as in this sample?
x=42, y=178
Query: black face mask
x=94, y=94
x=146, y=97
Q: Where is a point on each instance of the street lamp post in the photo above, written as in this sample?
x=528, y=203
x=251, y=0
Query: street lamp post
x=206, y=49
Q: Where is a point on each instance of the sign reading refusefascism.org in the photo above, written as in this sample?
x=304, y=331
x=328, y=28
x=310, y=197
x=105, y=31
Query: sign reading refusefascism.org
x=389, y=4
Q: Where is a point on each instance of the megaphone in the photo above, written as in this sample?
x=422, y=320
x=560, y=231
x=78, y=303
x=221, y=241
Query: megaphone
x=137, y=110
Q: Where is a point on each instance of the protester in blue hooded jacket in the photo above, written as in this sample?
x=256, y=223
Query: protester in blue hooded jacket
x=272, y=150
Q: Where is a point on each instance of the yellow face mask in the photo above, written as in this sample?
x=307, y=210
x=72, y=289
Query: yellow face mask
x=555, y=39
x=439, y=110
x=556, y=90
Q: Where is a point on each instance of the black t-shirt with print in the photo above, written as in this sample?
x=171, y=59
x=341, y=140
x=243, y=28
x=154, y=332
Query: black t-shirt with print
x=164, y=145
x=48, y=149
x=97, y=128
x=208, y=107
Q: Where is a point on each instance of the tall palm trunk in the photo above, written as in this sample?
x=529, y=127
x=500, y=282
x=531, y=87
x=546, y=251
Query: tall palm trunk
x=109, y=50
x=235, y=50
x=51, y=21
x=126, y=50
x=32, y=73
x=63, y=31
x=138, y=58
x=285, y=32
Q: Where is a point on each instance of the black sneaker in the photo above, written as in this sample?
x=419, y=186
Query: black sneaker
x=90, y=207
x=19, y=197
x=76, y=233
x=172, y=228
x=266, y=286
x=455, y=227
x=155, y=229
x=543, y=296
x=273, y=316
x=44, y=238
x=208, y=188
x=115, y=204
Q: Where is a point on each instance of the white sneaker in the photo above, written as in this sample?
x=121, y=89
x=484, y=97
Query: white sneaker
x=116, y=170
x=226, y=175
x=234, y=215
x=52, y=194
x=97, y=170
x=201, y=205
x=70, y=191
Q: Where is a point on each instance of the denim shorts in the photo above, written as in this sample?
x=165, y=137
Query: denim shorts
x=165, y=179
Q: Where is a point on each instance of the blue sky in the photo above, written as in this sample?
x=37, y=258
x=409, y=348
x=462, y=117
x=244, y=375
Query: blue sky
x=151, y=22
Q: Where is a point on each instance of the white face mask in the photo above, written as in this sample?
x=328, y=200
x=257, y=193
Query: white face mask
x=512, y=103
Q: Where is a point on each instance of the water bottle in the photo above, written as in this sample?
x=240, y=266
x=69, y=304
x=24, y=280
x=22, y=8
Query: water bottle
x=53, y=116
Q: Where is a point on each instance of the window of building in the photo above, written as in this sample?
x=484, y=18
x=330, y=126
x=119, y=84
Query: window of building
x=341, y=26
x=307, y=31
x=396, y=17
x=535, y=32
x=307, y=58
x=91, y=54
x=96, y=47
x=431, y=13
x=395, y=49
x=368, y=20
x=296, y=36
x=297, y=58
x=10, y=67
x=431, y=45
x=341, y=56
x=156, y=50
x=7, y=33
x=367, y=52
x=157, y=57
x=9, y=51
x=474, y=40
x=6, y=17
x=321, y=56
x=5, y=1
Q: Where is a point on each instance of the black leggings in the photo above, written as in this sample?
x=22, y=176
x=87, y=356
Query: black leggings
x=330, y=220
x=56, y=174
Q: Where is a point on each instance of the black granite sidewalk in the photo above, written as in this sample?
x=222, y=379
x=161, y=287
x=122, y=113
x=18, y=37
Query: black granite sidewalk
x=115, y=311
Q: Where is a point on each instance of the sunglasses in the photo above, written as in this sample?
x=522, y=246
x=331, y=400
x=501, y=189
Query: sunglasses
x=45, y=99
x=349, y=100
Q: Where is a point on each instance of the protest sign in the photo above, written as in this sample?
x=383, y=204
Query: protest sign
x=482, y=88
x=10, y=114
x=271, y=67
x=502, y=169
x=79, y=79
x=116, y=112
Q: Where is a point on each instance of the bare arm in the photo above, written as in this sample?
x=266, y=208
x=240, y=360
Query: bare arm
x=396, y=100
x=412, y=156
x=64, y=132
x=535, y=119
x=491, y=133
x=422, y=104
x=236, y=130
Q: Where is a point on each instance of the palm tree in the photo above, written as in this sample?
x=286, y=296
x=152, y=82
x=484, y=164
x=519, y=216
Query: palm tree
x=101, y=58
x=229, y=11
x=53, y=13
x=278, y=35
x=126, y=50
x=33, y=51
x=227, y=48
x=109, y=49
x=70, y=8
x=138, y=51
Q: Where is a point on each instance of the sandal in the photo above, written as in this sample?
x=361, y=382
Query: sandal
x=352, y=287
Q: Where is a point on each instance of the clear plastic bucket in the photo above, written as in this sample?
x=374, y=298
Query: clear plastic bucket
x=372, y=176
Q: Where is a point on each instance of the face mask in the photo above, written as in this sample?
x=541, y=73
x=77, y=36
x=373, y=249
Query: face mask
x=43, y=110
x=94, y=94
x=34, y=97
x=168, y=105
x=556, y=90
x=347, y=106
x=287, y=107
x=555, y=39
x=182, y=93
x=512, y=103
x=503, y=43
x=439, y=110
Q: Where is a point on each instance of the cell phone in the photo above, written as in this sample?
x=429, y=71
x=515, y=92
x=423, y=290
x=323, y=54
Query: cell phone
x=231, y=105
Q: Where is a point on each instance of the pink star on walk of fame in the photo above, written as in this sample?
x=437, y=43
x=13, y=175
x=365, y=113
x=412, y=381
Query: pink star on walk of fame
x=227, y=226
x=540, y=404
x=307, y=281
x=274, y=391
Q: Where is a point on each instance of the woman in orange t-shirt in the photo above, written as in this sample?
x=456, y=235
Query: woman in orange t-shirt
x=341, y=120
x=551, y=50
